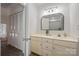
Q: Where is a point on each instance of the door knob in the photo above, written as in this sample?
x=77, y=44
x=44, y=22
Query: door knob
x=26, y=39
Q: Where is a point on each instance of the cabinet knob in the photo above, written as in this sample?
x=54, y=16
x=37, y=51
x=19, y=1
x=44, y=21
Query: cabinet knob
x=46, y=54
x=47, y=41
x=53, y=47
x=40, y=44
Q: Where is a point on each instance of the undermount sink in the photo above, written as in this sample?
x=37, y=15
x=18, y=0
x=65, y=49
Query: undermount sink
x=56, y=35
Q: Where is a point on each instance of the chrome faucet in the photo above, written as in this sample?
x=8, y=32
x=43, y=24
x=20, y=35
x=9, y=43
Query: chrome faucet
x=47, y=32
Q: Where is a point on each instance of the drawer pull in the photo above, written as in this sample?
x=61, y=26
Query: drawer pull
x=47, y=41
x=53, y=47
x=46, y=47
x=40, y=44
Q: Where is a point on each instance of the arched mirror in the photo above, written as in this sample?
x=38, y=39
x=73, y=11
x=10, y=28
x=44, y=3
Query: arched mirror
x=53, y=22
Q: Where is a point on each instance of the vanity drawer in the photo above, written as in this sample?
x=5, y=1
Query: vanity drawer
x=47, y=46
x=47, y=53
x=63, y=51
x=45, y=40
x=66, y=43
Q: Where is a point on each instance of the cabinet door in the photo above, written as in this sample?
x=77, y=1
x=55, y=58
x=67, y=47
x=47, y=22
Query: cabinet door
x=36, y=45
x=63, y=51
x=19, y=31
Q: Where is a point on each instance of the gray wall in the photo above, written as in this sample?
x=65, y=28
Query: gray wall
x=31, y=23
x=74, y=19
x=65, y=11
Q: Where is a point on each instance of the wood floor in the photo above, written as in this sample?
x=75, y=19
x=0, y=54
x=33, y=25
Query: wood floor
x=10, y=51
x=34, y=54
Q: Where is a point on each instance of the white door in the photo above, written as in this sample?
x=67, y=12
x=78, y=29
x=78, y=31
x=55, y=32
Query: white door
x=20, y=31
x=19, y=27
x=17, y=33
x=11, y=40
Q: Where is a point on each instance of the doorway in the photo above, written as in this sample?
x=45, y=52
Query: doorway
x=13, y=16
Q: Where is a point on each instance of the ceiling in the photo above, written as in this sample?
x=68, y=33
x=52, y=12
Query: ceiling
x=7, y=5
x=21, y=4
x=39, y=5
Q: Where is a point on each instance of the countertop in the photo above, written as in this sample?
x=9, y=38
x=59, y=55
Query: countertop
x=68, y=38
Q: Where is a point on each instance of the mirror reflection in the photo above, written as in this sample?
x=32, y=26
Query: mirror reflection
x=53, y=22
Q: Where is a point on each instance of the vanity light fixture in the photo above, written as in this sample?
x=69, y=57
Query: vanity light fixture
x=52, y=10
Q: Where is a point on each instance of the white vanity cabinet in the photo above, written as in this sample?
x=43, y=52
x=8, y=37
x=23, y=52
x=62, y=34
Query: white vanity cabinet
x=53, y=47
x=36, y=45
x=63, y=51
x=65, y=47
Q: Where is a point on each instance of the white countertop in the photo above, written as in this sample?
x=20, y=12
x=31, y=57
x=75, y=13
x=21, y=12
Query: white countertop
x=68, y=38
